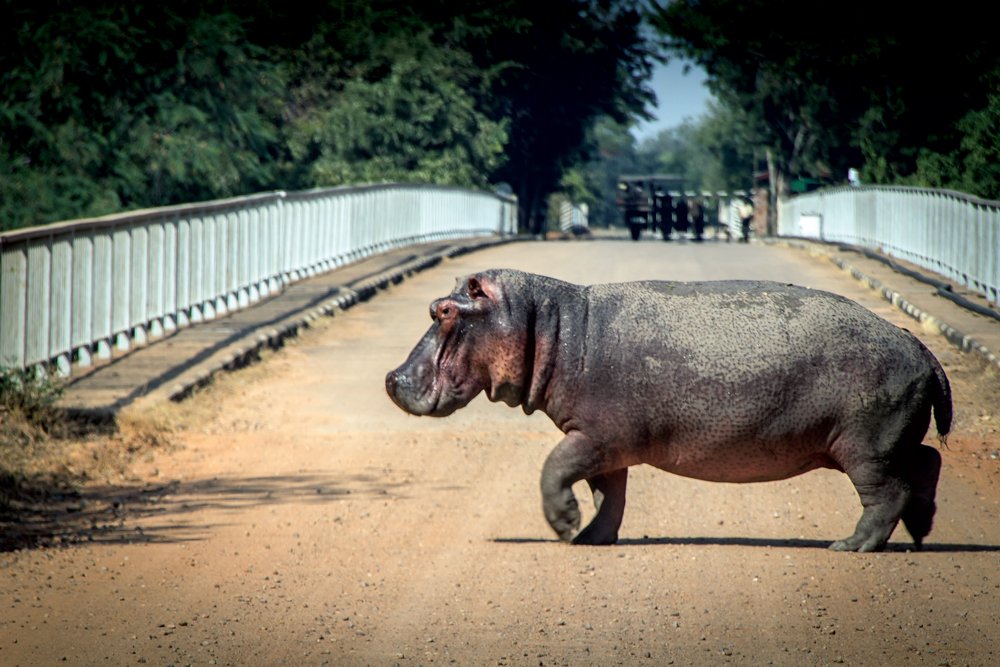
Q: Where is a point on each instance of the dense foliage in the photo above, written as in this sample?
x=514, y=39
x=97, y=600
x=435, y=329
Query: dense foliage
x=909, y=97
x=115, y=106
x=112, y=106
x=125, y=106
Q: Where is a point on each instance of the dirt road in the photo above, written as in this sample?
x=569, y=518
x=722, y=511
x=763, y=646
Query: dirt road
x=307, y=521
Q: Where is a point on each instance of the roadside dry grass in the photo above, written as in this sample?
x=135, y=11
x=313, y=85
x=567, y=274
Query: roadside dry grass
x=44, y=467
x=62, y=477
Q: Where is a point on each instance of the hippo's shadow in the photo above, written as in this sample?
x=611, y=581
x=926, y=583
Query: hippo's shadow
x=775, y=543
x=797, y=543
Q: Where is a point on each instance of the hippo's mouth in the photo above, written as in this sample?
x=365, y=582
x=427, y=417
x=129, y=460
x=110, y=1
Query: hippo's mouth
x=426, y=399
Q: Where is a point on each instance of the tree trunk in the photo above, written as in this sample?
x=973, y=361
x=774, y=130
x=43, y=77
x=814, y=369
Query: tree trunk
x=775, y=182
x=531, y=220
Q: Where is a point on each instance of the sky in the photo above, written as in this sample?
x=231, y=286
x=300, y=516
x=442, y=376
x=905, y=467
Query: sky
x=678, y=95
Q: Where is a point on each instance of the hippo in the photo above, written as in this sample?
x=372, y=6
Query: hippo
x=726, y=381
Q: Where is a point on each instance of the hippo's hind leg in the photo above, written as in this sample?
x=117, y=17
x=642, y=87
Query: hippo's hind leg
x=901, y=489
x=921, y=469
x=896, y=479
x=576, y=458
x=884, y=495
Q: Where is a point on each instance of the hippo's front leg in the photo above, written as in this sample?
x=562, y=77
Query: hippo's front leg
x=609, y=498
x=578, y=457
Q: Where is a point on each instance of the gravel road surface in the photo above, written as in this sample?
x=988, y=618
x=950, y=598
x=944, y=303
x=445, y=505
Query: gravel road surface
x=299, y=518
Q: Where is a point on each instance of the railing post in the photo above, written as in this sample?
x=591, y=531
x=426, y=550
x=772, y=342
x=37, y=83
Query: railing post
x=13, y=304
x=61, y=305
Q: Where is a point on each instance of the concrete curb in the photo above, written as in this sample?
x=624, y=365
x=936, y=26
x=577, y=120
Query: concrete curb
x=957, y=338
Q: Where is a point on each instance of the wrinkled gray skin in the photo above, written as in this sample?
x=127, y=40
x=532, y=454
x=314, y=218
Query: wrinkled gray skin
x=731, y=381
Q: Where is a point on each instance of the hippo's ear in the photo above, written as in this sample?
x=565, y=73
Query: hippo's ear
x=480, y=287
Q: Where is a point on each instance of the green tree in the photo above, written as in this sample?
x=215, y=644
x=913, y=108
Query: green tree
x=713, y=152
x=727, y=138
x=764, y=63
x=540, y=74
x=974, y=165
x=879, y=92
x=553, y=69
x=112, y=106
x=321, y=49
x=109, y=106
x=51, y=154
x=212, y=129
x=413, y=123
x=675, y=151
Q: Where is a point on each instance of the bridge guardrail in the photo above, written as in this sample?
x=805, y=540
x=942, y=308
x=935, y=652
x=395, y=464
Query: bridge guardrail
x=573, y=216
x=951, y=233
x=75, y=291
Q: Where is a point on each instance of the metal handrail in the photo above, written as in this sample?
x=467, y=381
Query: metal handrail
x=73, y=292
x=950, y=233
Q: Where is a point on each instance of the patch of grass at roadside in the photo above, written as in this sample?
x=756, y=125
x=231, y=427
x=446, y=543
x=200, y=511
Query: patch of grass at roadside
x=46, y=455
x=30, y=395
x=64, y=479
x=28, y=421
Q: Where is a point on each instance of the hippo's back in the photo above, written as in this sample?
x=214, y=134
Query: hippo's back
x=746, y=334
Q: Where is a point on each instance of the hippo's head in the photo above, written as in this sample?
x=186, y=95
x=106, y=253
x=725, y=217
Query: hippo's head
x=477, y=342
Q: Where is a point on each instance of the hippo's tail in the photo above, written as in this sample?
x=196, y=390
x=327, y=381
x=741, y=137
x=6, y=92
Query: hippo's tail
x=942, y=404
x=941, y=398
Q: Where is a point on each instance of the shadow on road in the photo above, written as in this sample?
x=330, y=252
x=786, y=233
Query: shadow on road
x=777, y=543
x=163, y=513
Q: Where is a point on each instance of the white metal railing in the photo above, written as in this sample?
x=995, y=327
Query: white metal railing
x=573, y=216
x=75, y=291
x=950, y=233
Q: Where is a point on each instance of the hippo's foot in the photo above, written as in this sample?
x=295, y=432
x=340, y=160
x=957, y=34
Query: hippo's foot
x=597, y=534
x=883, y=497
x=870, y=535
x=609, y=499
x=918, y=517
x=873, y=530
x=861, y=544
x=889, y=498
x=563, y=514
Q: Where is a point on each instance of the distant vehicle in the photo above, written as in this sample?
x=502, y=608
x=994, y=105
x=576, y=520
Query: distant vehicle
x=646, y=202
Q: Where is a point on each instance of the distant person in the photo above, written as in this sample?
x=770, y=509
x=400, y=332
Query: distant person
x=697, y=215
x=681, y=216
x=746, y=218
x=854, y=177
x=663, y=212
